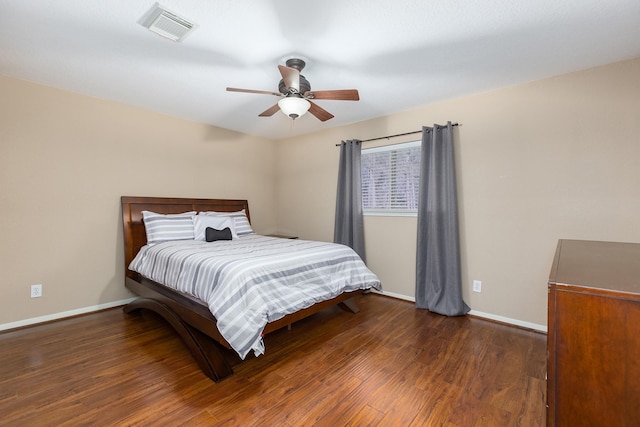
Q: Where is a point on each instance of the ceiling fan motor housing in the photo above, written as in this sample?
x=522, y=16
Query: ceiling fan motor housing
x=305, y=86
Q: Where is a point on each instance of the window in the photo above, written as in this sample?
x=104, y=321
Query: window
x=391, y=179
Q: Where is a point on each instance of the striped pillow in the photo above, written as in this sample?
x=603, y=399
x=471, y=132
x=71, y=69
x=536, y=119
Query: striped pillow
x=165, y=227
x=242, y=226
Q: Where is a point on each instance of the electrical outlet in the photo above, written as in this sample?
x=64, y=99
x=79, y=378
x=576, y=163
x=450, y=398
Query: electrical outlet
x=36, y=291
x=477, y=286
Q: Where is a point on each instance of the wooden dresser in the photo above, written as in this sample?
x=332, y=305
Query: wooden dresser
x=593, y=361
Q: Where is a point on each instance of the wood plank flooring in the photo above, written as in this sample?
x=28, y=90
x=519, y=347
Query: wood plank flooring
x=389, y=365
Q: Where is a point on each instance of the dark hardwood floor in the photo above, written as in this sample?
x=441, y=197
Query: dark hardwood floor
x=389, y=365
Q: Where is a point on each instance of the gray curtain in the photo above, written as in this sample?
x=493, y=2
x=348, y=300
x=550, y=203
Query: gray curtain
x=349, y=227
x=438, y=277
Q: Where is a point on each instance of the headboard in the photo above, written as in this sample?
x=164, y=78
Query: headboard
x=135, y=236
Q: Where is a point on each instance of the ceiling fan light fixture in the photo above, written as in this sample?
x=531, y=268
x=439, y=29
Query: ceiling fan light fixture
x=294, y=106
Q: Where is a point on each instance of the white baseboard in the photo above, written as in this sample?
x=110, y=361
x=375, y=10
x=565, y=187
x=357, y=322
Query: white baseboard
x=510, y=321
x=62, y=315
x=84, y=310
x=393, y=295
x=502, y=319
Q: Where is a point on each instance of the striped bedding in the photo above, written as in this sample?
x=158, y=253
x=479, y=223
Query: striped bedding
x=254, y=279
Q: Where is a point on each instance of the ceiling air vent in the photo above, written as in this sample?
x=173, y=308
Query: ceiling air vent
x=166, y=23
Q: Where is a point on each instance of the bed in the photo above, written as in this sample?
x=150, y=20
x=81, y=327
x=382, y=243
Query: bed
x=188, y=307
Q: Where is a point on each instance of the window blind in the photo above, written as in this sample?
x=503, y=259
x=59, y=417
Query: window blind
x=390, y=179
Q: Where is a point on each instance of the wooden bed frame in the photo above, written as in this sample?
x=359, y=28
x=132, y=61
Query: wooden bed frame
x=190, y=317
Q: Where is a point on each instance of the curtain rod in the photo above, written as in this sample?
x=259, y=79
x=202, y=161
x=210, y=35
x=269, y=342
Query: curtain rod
x=394, y=136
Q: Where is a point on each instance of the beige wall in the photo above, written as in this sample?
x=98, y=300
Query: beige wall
x=556, y=158
x=66, y=159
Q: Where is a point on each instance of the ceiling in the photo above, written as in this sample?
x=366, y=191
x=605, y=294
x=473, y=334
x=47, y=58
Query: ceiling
x=399, y=54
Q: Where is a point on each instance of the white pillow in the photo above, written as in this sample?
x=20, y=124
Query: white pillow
x=241, y=221
x=165, y=227
x=201, y=223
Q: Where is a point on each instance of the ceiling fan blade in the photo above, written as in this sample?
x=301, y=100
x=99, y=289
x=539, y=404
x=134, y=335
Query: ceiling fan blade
x=269, y=111
x=264, y=92
x=340, y=95
x=291, y=77
x=320, y=113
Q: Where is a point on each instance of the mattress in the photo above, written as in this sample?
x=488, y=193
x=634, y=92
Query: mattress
x=250, y=281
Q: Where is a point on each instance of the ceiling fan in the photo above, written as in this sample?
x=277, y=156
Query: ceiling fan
x=295, y=91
